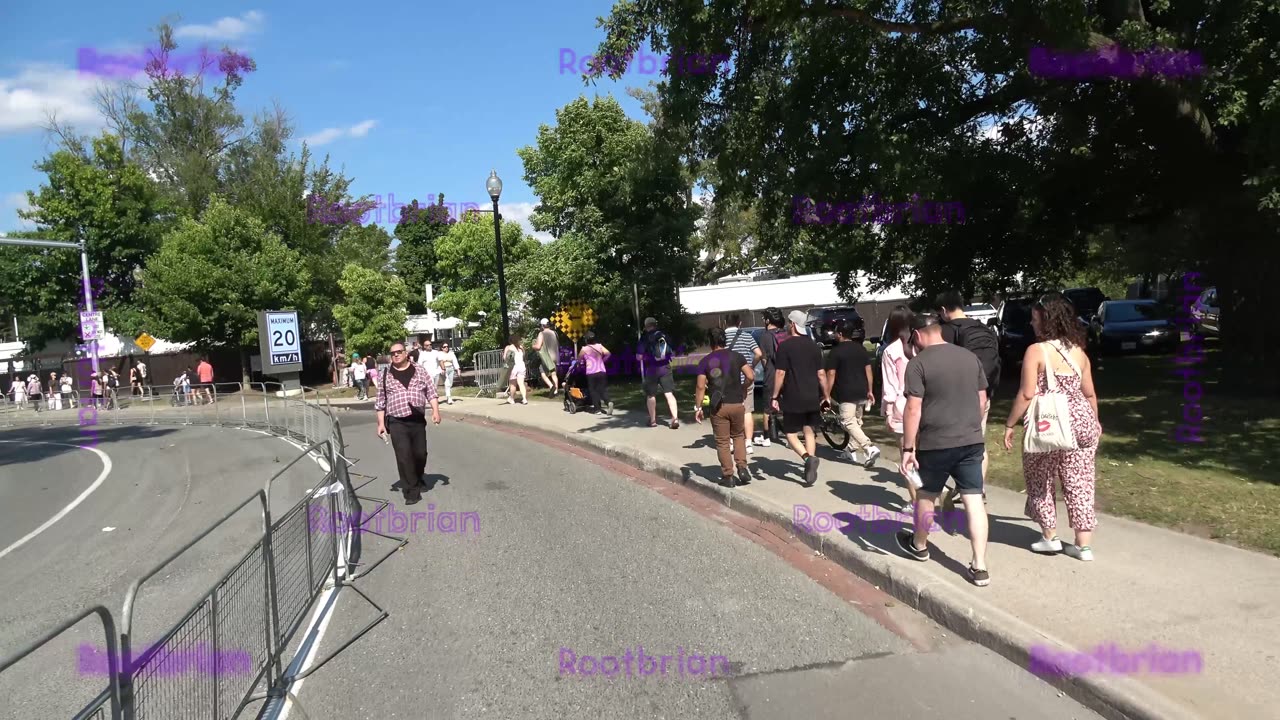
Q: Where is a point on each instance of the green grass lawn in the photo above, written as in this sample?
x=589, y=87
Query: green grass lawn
x=1221, y=488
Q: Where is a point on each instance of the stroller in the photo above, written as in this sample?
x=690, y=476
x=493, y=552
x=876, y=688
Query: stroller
x=576, y=395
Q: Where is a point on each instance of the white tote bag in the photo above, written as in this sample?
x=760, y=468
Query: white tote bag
x=1048, y=420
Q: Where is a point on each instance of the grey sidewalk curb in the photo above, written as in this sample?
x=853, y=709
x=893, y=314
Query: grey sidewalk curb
x=960, y=610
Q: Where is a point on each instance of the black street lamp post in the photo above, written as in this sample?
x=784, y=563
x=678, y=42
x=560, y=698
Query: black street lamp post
x=494, y=186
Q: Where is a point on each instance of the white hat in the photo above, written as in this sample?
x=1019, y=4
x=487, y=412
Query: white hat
x=545, y=322
x=797, y=317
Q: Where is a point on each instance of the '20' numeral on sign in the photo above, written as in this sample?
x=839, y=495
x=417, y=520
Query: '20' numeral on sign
x=289, y=338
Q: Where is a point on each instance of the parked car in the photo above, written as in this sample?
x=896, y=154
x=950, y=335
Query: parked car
x=1013, y=327
x=821, y=323
x=1086, y=301
x=1206, y=314
x=1132, y=325
x=982, y=312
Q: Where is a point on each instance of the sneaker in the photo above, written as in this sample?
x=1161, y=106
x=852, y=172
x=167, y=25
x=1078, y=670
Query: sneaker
x=750, y=449
x=906, y=538
x=757, y=441
x=851, y=456
x=675, y=424
x=873, y=452
x=524, y=401
x=744, y=475
x=729, y=481
x=811, y=471
x=981, y=578
x=609, y=408
x=1083, y=553
x=764, y=441
x=1047, y=546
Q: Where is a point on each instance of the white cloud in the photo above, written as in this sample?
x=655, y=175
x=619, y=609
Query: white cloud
x=10, y=204
x=38, y=90
x=520, y=213
x=227, y=28
x=328, y=135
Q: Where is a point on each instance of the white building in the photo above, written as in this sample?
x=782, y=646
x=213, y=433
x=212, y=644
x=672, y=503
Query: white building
x=748, y=296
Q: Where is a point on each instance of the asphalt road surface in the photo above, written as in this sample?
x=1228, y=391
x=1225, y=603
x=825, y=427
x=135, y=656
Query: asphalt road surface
x=160, y=487
x=578, y=554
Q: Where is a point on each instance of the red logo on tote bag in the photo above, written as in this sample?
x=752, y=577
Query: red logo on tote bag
x=1043, y=426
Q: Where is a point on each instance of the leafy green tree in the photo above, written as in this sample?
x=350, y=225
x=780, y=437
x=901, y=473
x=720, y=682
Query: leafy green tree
x=372, y=312
x=838, y=103
x=467, y=268
x=110, y=203
x=367, y=246
x=626, y=197
x=418, y=229
x=211, y=277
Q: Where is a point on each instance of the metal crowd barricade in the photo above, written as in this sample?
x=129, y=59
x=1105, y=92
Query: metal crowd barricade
x=488, y=372
x=261, y=603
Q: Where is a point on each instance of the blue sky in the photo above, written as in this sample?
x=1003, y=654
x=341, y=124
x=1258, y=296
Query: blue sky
x=410, y=100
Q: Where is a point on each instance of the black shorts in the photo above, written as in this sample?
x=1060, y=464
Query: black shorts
x=654, y=385
x=962, y=463
x=796, y=422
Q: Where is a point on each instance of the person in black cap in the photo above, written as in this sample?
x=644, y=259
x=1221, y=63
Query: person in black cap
x=801, y=383
x=942, y=437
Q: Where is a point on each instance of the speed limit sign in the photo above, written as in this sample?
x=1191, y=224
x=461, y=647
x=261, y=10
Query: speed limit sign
x=280, y=338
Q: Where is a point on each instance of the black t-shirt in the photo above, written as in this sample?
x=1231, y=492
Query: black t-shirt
x=850, y=360
x=413, y=354
x=801, y=358
x=730, y=364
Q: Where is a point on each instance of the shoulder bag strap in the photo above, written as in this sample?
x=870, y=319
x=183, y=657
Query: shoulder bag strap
x=1065, y=356
x=1050, y=377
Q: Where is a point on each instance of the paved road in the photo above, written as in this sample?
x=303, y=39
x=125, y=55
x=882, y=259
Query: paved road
x=165, y=485
x=577, y=552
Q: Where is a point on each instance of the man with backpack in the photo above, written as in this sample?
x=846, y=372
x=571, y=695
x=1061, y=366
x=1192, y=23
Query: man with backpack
x=972, y=335
x=773, y=336
x=655, y=356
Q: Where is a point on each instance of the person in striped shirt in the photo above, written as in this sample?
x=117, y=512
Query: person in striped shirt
x=744, y=343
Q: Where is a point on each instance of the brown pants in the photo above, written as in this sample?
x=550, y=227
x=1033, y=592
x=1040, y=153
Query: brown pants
x=726, y=423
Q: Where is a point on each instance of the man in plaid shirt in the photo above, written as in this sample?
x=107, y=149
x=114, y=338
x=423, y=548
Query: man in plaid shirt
x=404, y=393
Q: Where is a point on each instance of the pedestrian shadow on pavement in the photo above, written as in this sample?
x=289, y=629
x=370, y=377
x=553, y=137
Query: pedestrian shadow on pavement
x=788, y=470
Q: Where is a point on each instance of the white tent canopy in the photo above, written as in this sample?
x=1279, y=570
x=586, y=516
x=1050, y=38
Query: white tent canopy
x=796, y=291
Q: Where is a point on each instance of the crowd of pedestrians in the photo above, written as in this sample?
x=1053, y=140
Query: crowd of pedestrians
x=938, y=374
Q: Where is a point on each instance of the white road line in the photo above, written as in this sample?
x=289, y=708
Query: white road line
x=106, y=470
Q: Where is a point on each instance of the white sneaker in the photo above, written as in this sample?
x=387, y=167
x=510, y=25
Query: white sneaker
x=750, y=449
x=1080, y=553
x=1047, y=546
x=851, y=456
x=873, y=452
x=764, y=442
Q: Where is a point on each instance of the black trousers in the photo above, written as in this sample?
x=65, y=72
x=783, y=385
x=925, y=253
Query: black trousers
x=409, y=441
x=598, y=387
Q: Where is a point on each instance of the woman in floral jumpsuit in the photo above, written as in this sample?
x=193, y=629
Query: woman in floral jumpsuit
x=1060, y=350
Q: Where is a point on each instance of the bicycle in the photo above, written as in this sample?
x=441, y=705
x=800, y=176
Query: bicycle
x=832, y=429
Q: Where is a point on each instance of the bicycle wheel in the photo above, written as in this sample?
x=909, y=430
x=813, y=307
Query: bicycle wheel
x=833, y=431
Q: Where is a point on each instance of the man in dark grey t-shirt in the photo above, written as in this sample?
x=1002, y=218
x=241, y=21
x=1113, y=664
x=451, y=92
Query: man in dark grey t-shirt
x=946, y=393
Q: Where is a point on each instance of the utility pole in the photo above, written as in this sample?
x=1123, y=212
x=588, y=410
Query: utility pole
x=84, y=272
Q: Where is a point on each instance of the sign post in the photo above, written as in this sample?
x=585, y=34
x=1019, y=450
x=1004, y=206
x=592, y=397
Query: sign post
x=280, y=342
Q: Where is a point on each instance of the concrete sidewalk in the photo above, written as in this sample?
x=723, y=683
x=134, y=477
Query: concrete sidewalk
x=1148, y=585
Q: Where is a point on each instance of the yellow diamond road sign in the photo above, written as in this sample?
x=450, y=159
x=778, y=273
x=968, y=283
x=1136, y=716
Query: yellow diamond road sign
x=573, y=319
x=144, y=341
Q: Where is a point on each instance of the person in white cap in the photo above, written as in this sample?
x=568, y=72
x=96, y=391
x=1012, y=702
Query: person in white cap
x=547, y=345
x=801, y=384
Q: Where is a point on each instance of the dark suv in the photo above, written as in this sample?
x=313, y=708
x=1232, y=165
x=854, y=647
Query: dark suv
x=821, y=323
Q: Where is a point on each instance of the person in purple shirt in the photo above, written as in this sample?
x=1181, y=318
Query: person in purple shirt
x=593, y=354
x=727, y=376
